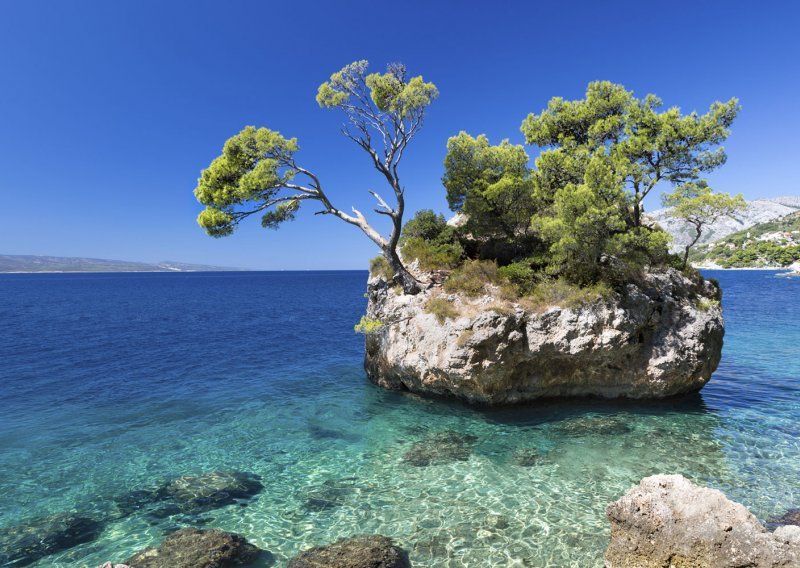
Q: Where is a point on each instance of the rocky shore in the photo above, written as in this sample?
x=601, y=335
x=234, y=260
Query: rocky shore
x=658, y=338
x=668, y=522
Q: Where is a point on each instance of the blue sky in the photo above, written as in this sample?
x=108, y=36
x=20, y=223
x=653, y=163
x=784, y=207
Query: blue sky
x=109, y=110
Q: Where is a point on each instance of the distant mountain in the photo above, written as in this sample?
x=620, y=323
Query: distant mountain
x=775, y=243
x=29, y=263
x=758, y=211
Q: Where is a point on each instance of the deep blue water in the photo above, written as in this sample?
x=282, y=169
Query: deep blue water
x=111, y=383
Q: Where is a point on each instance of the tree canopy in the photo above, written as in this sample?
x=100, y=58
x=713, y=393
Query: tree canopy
x=257, y=172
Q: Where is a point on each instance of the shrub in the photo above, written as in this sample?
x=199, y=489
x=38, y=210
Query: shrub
x=368, y=325
x=465, y=337
x=379, y=266
x=471, y=277
x=706, y=304
x=432, y=256
x=441, y=308
x=520, y=275
x=566, y=295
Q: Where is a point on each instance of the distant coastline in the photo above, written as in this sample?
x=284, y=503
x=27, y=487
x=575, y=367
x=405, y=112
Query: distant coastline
x=33, y=264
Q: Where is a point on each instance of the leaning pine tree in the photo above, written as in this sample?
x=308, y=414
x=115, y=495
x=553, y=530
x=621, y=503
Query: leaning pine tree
x=257, y=172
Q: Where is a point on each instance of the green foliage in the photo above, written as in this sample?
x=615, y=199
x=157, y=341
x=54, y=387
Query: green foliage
x=368, y=325
x=699, y=206
x=251, y=170
x=521, y=276
x=390, y=92
x=706, y=304
x=442, y=308
x=428, y=238
x=492, y=186
x=471, y=277
x=432, y=256
x=379, y=266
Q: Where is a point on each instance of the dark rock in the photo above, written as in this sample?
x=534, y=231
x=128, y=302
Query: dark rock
x=790, y=517
x=196, y=493
x=28, y=542
x=197, y=548
x=440, y=448
x=191, y=494
x=592, y=426
x=366, y=551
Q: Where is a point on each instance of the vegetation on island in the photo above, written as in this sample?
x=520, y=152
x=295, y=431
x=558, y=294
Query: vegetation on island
x=774, y=243
x=257, y=173
x=574, y=221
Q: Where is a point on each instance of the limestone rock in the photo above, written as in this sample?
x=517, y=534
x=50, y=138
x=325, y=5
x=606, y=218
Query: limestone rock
x=197, y=548
x=365, y=551
x=659, y=338
x=668, y=522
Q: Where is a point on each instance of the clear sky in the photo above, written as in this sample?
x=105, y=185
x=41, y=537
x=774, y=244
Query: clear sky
x=110, y=109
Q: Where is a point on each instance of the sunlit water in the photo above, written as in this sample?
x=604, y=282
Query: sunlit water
x=115, y=383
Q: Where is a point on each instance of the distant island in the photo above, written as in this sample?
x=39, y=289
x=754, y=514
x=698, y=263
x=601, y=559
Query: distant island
x=32, y=263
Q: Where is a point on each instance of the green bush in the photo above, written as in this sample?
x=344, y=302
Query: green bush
x=471, y=277
x=441, y=308
x=368, y=325
x=706, y=304
x=432, y=256
x=520, y=276
x=379, y=266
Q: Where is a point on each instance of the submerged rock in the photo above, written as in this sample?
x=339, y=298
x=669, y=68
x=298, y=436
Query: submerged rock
x=331, y=494
x=197, y=548
x=28, y=542
x=790, y=517
x=659, y=338
x=668, y=522
x=192, y=494
x=592, y=426
x=366, y=551
x=440, y=448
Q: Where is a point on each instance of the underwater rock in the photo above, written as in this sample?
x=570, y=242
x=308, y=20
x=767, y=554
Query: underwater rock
x=26, y=543
x=197, y=548
x=666, y=521
x=331, y=494
x=658, y=338
x=195, y=493
x=440, y=448
x=494, y=521
x=192, y=494
x=592, y=426
x=365, y=551
x=110, y=565
x=790, y=517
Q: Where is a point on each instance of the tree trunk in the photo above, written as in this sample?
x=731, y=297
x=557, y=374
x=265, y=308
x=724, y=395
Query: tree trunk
x=698, y=230
x=402, y=276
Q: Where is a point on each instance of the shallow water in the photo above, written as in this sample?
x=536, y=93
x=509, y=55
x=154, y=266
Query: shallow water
x=116, y=383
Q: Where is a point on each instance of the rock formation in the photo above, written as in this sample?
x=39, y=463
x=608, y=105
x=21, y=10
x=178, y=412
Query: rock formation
x=365, y=551
x=197, y=548
x=668, y=522
x=659, y=338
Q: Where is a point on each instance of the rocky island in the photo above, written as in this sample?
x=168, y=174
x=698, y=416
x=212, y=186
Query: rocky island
x=657, y=338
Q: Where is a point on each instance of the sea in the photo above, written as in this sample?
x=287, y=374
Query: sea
x=115, y=385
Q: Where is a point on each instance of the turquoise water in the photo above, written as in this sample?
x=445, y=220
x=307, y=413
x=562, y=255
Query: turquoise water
x=118, y=383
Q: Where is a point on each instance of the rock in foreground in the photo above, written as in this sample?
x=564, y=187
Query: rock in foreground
x=662, y=337
x=668, y=522
x=197, y=548
x=366, y=551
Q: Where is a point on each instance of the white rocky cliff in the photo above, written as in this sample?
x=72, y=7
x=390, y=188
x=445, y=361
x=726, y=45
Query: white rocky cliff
x=660, y=338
